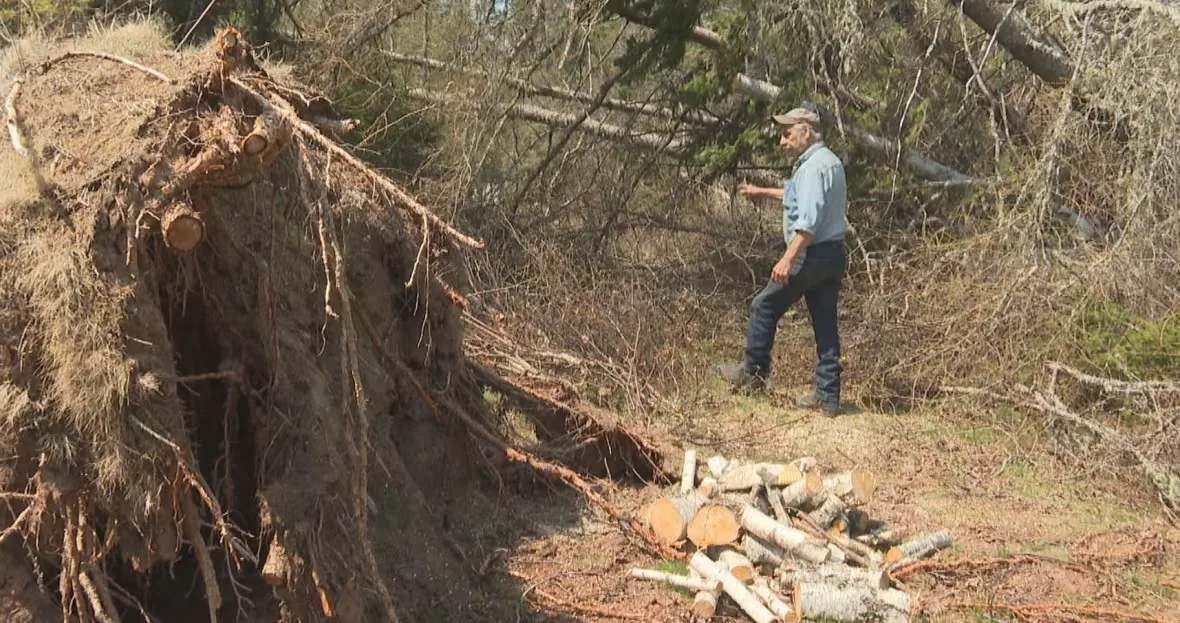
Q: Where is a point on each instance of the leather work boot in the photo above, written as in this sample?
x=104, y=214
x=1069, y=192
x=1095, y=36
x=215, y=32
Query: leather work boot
x=739, y=378
x=810, y=402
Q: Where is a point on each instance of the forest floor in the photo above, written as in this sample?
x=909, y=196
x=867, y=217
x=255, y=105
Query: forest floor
x=987, y=478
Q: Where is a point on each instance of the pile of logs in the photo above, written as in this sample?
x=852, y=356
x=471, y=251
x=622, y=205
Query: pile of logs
x=785, y=542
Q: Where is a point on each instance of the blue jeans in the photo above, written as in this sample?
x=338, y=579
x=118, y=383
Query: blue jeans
x=818, y=282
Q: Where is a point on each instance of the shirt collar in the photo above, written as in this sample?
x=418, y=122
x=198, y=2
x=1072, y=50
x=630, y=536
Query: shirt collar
x=808, y=152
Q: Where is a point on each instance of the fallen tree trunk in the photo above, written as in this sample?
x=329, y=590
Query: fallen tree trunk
x=923, y=166
x=608, y=103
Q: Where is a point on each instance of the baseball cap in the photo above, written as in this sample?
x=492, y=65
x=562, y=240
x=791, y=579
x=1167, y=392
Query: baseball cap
x=797, y=115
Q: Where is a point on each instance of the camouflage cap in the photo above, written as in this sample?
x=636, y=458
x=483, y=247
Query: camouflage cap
x=797, y=115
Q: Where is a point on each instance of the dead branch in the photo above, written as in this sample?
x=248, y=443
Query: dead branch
x=110, y=57
x=1115, y=386
x=306, y=129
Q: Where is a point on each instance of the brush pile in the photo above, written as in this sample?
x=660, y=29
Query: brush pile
x=215, y=325
x=785, y=542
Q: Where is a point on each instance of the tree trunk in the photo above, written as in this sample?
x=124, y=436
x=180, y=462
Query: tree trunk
x=669, y=517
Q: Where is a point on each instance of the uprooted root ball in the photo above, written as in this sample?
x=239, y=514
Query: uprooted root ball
x=208, y=312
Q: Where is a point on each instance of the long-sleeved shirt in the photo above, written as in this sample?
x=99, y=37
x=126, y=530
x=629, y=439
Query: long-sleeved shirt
x=815, y=198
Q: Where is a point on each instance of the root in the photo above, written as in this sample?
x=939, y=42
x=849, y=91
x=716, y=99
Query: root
x=192, y=531
x=18, y=141
x=110, y=57
x=304, y=128
x=104, y=612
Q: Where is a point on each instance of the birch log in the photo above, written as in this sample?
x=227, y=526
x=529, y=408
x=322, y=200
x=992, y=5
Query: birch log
x=708, y=487
x=739, y=565
x=836, y=575
x=744, y=477
x=795, y=542
x=688, y=475
x=804, y=494
x=858, y=482
x=669, y=517
x=762, y=590
x=853, y=603
x=760, y=552
x=696, y=584
x=827, y=513
x=713, y=524
x=718, y=465
x=733, y=587
x=704, y=603
x=920, y=546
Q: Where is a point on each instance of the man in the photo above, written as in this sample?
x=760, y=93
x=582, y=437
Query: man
x=812, y=268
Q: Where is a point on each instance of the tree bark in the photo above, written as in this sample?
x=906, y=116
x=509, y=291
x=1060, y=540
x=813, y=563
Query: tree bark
x=853, y=603
x=795, y=542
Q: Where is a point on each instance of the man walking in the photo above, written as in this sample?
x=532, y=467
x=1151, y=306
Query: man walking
x=812, y=268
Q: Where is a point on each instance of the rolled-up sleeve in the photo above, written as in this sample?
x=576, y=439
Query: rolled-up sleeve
x=811, y=188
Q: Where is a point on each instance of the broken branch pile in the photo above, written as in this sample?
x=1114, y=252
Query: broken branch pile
x=785, y=542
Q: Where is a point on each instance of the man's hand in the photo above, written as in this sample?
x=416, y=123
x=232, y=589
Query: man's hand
x=749, y=190
x=782, y=270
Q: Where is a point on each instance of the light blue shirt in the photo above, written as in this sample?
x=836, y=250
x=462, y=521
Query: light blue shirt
x=815, y=198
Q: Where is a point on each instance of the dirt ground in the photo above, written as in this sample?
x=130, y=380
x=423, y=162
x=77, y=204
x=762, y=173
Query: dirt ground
x=985, y=477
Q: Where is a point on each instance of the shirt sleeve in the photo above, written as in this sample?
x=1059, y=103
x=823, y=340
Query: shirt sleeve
x=811, y=187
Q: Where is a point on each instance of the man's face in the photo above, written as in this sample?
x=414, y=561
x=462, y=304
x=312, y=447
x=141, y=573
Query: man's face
x=795, y=138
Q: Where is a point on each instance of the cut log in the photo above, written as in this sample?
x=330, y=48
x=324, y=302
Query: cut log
x=713, y=524
x=669, y=517
x=780, y=608
x=831, y=509
x=738, y=565
x=182, y=226
x=267, y=133
x=837, y=575
x=853, y=603
x=858, y=482
x=795, y=542
x=882, y=539
x=763, y=553
x=696, y=584
x=744, y=477
x=708, y=487
x=704, y=603
x=920, y=546
x=733, y=587
x=718, y=465
x=804, y=494
x=688, y=475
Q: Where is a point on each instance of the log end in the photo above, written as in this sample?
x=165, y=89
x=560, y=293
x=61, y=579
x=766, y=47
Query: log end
x=666, y=521
x=183, y=228
x=713, y=525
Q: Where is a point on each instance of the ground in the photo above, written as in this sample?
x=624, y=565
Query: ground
x=987, y=477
